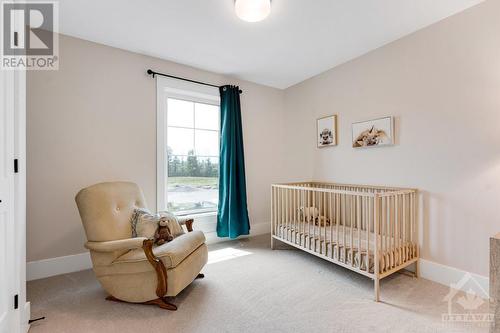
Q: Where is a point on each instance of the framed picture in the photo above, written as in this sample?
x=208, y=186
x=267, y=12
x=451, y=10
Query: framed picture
x=373, y=133
x=326, y=131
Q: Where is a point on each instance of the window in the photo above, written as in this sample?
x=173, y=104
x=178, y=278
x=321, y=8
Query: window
x=193, y=156
x=188, y=149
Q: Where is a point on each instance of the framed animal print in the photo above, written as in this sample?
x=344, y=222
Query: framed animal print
x=373, y=133
x=327, y=131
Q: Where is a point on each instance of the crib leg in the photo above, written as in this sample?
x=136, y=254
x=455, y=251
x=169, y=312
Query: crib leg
x=376, y=284
x=272, y=243
x=417, y=271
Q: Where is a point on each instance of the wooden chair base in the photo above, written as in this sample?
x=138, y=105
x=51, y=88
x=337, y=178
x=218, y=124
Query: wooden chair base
x=160, y=302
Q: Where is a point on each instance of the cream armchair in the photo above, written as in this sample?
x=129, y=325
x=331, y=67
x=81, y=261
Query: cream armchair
x=131, y=269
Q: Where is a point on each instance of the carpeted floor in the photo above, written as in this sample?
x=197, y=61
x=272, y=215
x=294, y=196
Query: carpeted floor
x=249, y=288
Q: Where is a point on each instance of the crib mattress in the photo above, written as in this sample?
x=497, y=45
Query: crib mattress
x=348, y=245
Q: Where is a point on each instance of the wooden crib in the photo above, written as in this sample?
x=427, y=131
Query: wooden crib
x=368, y=229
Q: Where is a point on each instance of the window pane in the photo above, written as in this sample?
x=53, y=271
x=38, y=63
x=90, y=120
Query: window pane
x=180, y=140
x=180, y=113
x=192, y=184
x=206, y=116
x=207, y=143
x=193, y=163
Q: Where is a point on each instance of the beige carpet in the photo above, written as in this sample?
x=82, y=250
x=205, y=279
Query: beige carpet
x=253, y=290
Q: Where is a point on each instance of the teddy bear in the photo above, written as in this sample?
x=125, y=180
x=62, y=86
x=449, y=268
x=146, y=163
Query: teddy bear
x=311, y=214
x=163, y=234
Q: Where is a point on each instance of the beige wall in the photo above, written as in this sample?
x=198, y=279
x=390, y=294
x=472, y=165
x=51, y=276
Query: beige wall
x=93, y=120
x=443, y=86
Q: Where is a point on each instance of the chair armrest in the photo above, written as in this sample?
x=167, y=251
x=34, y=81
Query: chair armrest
x=187, y=221
x=159, y=267
x=116, y=245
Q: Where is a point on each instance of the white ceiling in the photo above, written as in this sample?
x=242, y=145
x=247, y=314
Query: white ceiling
x=301, y=38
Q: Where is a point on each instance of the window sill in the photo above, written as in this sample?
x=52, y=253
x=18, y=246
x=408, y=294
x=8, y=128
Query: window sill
x=198, y=215
x=206, y=222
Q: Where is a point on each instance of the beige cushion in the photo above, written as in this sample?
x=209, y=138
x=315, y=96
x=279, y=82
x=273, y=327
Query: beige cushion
x=171, y=253
x=144, y=224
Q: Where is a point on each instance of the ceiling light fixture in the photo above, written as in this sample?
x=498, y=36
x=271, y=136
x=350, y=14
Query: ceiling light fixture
x=252, y=10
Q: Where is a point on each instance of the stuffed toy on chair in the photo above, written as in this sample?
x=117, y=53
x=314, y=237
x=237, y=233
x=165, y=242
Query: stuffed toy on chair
x=163, y=234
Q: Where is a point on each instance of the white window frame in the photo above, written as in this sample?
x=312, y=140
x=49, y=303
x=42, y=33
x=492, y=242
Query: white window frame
x=173, y=88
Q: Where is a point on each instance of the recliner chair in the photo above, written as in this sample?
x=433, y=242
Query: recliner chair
x=131, y=269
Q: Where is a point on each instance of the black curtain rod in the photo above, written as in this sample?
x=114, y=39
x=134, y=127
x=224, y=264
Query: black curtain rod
x=153, y=73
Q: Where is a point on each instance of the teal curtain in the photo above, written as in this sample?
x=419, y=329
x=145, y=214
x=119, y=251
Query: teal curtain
x=232, y=215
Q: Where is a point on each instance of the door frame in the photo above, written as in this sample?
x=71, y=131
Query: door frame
x=14, y=85
x=20, y=195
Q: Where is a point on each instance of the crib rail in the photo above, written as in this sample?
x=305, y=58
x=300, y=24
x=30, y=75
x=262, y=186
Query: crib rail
x=368, y=229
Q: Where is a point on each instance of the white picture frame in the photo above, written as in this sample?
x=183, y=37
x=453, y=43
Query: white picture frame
x=373, y=133
x=326, y=131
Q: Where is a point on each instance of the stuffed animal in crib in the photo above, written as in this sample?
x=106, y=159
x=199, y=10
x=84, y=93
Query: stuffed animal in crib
x=322, y=221
x=311, y=214
x=308, y=214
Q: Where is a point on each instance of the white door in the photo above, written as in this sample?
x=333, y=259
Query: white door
x=8, y=266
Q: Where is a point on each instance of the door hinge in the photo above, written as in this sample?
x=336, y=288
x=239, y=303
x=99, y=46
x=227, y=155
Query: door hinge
x=16, y=302
x=16, y=166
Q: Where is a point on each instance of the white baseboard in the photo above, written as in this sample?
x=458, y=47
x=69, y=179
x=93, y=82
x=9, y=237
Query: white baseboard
x=449, y=276
x=56, y=266
x=78, y=262
x=255, y=230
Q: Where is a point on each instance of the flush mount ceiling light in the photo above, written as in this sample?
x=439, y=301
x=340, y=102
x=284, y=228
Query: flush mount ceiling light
x=252, y=10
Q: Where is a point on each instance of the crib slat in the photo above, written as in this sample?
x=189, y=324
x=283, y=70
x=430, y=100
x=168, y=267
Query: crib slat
x=398, y=229
x=317, y=222
x=393, y=233
x=330, y=215
x=325, y=250
x=385, y=232
x=273, y=204
x=337, y=222
x=416, y=217
x=302, y=219
x=279, y=210
x=276, y=202
x=287, y=213
x=368, y=230
x=376, y=271
x=297, y=216
x=359, y=226
x=292, y=215
x=412, y=214
x=351, y=245
x=309, y=220
x=405, y=220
